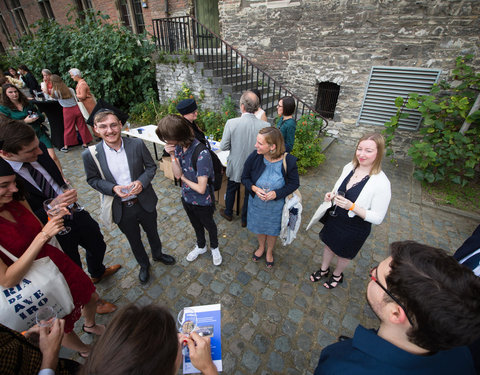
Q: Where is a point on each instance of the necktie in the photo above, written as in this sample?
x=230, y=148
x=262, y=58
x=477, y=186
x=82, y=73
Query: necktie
x=41, y=181
x=473, y=261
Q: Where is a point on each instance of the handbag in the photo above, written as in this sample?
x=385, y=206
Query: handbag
x=106, y=201
x=42, y=285
x=80, y=105
x=291, y=214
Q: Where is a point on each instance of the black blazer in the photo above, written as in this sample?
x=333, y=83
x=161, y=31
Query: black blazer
x=254, y=167
x=35, y=197
x=142, y=168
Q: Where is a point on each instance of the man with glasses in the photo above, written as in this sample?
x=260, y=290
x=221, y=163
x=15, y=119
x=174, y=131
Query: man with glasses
x=429, y=308
x=129, y=169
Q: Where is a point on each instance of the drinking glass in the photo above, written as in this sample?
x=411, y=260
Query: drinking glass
x=127, y=189
x=75, y=207
x=338, y=194
x=266, y=187
x=52, y=208
x=45, y=316
x=186, y=323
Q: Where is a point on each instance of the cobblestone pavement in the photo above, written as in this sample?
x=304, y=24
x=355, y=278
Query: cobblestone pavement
x=273, y=321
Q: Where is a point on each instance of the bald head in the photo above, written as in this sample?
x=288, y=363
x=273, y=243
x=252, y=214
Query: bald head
x=249, y=101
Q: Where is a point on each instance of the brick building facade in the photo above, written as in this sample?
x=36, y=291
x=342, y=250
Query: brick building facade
x=17, y=16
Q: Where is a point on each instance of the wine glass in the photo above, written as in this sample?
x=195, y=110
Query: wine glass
x=186, y=323
x=75, y=207
x=127, y=189
x=266, y=187
x=45, y=316
x=52, y=208
x=338, y=194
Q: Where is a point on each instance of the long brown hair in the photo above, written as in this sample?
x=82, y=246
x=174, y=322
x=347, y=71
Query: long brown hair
x=175, y=128
x=138, y=340
x=380, y=142
x=6, y=102
x=59, y=87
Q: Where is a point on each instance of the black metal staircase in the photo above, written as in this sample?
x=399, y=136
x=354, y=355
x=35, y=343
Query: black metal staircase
x=185, y=35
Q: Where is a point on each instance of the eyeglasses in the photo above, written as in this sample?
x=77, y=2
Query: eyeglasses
x=374, y=278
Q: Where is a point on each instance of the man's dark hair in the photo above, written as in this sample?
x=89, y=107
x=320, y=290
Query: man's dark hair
x=175, y=128
x=440, y=295
x=288, y=105
x=15, y=135
x=138, y=340
x=23, y=67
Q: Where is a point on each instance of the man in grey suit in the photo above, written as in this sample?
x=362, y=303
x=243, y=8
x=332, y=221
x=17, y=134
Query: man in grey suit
x=129, y=169
x=240, y=136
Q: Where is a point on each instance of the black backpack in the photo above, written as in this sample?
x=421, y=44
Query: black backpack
x=217, y=165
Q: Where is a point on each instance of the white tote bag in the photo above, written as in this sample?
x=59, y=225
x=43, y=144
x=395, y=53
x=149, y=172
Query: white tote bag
x=106, y=201
x=42, y=285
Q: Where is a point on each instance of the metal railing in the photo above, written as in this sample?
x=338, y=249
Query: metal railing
x=178, y=35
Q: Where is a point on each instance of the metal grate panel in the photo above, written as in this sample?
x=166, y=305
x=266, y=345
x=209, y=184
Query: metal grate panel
x=385, y=84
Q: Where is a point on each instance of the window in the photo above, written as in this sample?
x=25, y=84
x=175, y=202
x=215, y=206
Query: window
x=4, y=30
x=46, y=9
x=20, y=19
x=327, y=98
x=131, y=15
x=137, y=10
x=82, y=6
x=385, y=84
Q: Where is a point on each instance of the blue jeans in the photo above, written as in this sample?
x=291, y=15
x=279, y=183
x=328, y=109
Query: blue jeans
x=232, y=188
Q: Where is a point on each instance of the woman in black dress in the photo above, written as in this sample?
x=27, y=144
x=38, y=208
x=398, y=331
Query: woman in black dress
x=361, y=195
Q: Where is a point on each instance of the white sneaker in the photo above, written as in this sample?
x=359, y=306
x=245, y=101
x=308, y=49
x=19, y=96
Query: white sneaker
x=192, y=255
x=217, y=258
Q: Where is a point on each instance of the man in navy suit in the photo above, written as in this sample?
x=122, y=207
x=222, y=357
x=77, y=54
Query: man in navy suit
x=128, y=169
x=42, y=180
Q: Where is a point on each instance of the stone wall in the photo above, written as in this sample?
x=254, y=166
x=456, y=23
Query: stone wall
x=206, y=89
x=305, y=42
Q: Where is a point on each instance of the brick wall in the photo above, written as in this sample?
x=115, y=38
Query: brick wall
x=154, y=9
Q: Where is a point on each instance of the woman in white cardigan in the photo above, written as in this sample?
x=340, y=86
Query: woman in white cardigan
x=365, y=202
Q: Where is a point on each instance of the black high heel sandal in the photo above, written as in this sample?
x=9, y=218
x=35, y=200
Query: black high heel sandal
x=334, y=279
x=319, y=275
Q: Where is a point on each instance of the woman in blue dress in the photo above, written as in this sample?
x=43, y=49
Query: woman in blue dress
x=286, y=123
x=268, y=184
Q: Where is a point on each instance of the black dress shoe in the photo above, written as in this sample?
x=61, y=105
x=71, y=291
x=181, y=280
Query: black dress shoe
x=144, y=275
x=165, y=259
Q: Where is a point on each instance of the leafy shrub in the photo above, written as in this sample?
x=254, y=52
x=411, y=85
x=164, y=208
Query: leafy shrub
x=308, y=143
x=212, y=123
x=445, y=152
x=114, y=61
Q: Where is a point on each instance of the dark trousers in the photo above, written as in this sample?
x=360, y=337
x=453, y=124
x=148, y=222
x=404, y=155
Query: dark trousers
x=232, y=189
x=201, y=218
x=132, y=218
x=86, y=233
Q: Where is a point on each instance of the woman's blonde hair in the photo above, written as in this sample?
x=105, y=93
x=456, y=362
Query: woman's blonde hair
x=380, y=142
x=273, y=136
x=59, y=87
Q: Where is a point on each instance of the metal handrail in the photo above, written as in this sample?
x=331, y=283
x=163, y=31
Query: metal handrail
x=187, y=35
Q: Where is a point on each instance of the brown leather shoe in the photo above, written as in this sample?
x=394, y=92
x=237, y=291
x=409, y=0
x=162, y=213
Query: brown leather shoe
x=104, y=307
x=224, y=215
x=108, y=272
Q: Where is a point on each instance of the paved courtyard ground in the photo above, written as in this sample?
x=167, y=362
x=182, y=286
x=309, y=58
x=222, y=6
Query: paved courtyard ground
x=273, y=321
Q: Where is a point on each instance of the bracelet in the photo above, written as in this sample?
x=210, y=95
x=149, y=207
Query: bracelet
x=47, y=237
x=351, y=208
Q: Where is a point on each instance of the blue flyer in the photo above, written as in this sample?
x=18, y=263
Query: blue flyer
x=209, y=319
